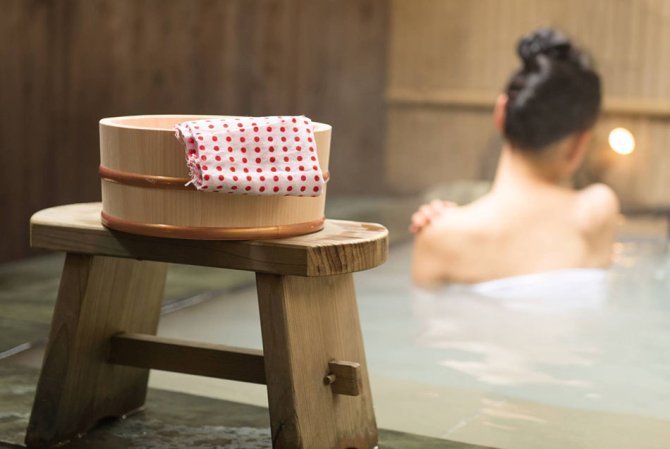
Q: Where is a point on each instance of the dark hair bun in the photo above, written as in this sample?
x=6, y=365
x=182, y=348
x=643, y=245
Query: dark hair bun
x=555, y=93
x=544, y=41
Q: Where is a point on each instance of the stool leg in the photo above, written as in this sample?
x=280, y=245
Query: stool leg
x=98, y=297
x=306, y=323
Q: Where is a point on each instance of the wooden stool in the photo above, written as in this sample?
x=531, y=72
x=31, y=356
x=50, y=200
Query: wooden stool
x=102, y=341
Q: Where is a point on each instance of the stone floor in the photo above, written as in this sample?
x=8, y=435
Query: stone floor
x=170, y=421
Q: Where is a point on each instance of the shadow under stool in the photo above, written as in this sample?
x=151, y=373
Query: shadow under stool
x=103, y=334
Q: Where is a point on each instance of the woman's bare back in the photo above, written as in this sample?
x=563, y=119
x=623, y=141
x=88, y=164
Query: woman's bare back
x=508, y=233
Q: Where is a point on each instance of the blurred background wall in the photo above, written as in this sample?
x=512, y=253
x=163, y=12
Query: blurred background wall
x=450, y=59
x=408, y=85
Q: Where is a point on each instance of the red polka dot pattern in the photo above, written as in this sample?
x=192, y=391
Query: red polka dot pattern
x=200, y=138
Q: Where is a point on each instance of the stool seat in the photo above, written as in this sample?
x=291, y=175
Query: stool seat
x=103, y=339
x=340, y=247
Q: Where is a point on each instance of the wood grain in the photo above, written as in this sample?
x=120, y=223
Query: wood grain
x=147, y=145
x=306, y=324
x=341, y=247
x=202, y=359
x=177, y=57
x=346, y=377
x=98, y=297
x=102, y=341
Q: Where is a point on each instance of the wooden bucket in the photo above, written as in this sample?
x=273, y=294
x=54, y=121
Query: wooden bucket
x=143, y=173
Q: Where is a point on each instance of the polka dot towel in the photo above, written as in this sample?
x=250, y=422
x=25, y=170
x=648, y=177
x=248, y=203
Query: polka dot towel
x=253, y=155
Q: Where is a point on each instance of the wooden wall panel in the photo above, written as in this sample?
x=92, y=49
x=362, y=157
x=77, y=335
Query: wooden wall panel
x=457, y=55
x=25, y=98
x=470, y=44
x=344, y=69
x=68, y=63
x=642, y=179
x=429, y=144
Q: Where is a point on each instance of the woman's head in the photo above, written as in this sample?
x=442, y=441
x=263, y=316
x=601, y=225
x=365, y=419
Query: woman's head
x=555, y=93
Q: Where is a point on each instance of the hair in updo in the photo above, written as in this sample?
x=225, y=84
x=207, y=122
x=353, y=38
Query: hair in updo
x=554, y=94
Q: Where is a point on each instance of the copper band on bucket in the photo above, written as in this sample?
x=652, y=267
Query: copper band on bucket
x=161, y=182
x=140, y=180
x=211, y=233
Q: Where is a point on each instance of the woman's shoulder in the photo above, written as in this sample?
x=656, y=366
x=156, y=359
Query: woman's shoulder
x=468, y=220
x=440, y=246
x=597, y=207
x=455, y=233
x=600, y=192
x=599, y=198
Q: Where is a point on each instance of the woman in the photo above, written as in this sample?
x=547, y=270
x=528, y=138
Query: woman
x=530, y=221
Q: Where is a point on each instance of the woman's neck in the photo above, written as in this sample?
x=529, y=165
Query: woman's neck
x=518, y=171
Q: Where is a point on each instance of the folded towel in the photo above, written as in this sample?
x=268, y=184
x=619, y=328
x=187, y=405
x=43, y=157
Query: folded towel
x=253, y=155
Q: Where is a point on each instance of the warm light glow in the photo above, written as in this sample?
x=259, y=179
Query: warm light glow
x=622, y=141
